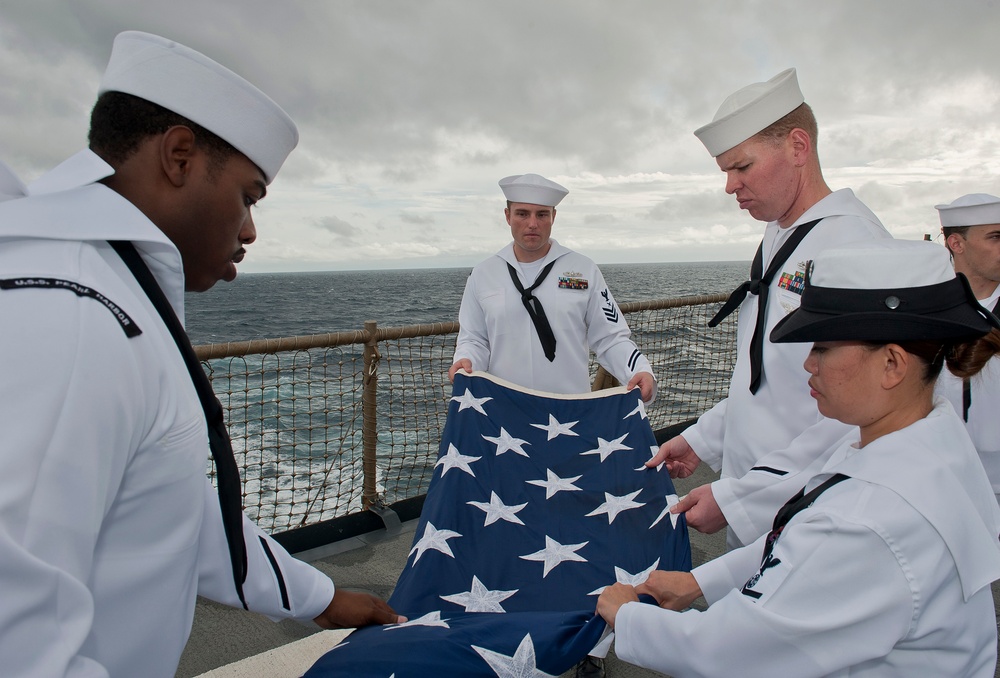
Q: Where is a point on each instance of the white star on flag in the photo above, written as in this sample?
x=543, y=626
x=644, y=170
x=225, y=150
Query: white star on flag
x=554, y=483
x=480, y=598
x=455, y=459
x=521, y=665
x=555, y=429
x=671, y=500
x=606, y=447
x=555, y=553
x=614, y=505
x=434, y=539
x=429, y=619
x=497, y=510
x=505, y=442
x=640, y=409
x=623, y=577
x=467, y=400
x=653, y=449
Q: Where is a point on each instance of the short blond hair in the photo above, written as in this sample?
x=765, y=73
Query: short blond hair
x=801, y=117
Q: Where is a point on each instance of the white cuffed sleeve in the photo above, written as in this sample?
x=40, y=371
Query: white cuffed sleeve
x=473, y=342
x=750, y=503
x=706, y=437
x=610, y=337
x=278, y=584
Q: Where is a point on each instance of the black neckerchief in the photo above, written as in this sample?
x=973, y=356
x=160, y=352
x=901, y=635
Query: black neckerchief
x=966, y=385
x=535, y=310
x=759, y=285
x=801, y=501
x=227, y=472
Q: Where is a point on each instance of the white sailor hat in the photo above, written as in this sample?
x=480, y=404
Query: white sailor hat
x=885, y=290
x=750, y=110
x=974, y=209
x=192, y=85
x=532, y=189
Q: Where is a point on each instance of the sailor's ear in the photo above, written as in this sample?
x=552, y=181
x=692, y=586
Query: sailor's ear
x=896, y=363
x=177, y=151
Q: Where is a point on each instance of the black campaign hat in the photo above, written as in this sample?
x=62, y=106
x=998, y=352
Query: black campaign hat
x=885, y=291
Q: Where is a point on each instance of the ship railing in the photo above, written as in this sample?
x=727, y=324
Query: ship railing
x=338, y=433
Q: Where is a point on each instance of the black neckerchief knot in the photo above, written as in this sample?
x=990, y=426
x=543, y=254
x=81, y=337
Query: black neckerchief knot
x=759, y=284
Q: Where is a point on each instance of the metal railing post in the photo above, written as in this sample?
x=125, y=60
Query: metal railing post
x=369, y=417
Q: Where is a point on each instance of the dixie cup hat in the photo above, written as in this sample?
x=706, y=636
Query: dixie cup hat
x=974, y=209
x=190, y=84
x=751, y=110
x=533, y=189
x=885, y=291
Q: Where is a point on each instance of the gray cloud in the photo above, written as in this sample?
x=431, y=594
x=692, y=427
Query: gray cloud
x=416, y=219
x=410, y=112
x=346, y=232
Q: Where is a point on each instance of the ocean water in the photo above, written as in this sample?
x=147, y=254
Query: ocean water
x=269, y=305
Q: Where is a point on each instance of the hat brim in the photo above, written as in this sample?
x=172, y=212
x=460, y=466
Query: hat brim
x=802, y=325
x=946, y=311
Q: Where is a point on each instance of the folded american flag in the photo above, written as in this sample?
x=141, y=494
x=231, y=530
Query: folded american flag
x=517, y=644
x=538, y=502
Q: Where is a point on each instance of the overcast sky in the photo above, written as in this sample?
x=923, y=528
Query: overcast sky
x=410, y=112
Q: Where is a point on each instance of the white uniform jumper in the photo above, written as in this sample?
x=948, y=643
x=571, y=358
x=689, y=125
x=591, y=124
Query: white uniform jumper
x=109, y=527
x=497, y=334
x=762, y=441
x=984, y=419
x=886, y=574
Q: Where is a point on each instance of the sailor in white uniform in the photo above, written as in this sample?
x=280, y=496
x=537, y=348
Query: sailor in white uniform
x=765, y=433
x=109, y=527
x=532, y=313
x=881, y=566
x=971, y=228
